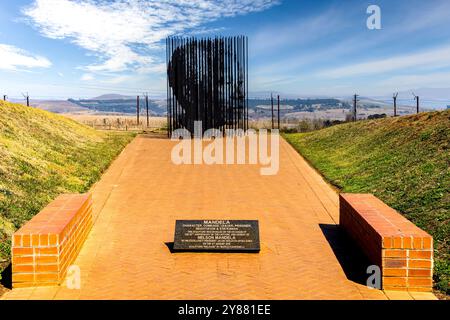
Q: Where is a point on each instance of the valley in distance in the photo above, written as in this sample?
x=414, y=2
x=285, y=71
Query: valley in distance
x=115, y=111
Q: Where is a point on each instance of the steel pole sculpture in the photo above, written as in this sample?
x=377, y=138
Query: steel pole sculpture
x=207, y=81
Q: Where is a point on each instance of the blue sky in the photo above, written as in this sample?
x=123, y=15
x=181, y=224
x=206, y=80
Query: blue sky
x=82, y=48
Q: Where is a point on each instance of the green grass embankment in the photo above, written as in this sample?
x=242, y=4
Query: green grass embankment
x=41, y=156
x=404, y=161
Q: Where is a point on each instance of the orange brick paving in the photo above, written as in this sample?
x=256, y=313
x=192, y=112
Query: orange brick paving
x=139, y=198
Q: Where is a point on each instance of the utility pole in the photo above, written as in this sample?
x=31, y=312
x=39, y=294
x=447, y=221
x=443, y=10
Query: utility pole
x=278, y=112
x=271, y=97
x=355, y=102
x=27, y=97
x=395, y=104
x=417, y=102
x=146, y=106
x=137, y=110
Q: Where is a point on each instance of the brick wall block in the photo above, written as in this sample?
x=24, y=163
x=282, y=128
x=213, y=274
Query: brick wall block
x=403, y=251
x=48, y=244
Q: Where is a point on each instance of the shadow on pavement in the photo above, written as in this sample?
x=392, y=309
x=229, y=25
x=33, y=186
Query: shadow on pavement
x=6, y=278
x=350, y=256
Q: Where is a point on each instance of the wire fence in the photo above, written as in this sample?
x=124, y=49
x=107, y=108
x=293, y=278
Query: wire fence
x=121, y=122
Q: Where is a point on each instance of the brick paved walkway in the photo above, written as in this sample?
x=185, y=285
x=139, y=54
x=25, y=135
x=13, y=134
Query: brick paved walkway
x=139, y=198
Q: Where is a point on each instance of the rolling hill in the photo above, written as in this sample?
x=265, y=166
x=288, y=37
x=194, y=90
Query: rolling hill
x=404, y=161
x=113, y=96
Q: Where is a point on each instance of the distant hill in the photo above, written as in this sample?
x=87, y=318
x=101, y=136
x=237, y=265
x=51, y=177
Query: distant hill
x=57, y=106
x=122, y=105
x=284, y=95
x=259, y=107
x=113, y=96
x=403, y=160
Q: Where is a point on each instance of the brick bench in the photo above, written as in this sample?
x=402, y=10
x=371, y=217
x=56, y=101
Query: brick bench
x=45, y=246
x=403, y=251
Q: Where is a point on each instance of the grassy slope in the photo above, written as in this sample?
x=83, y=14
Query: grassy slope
x=404, y=161
x=41, y=156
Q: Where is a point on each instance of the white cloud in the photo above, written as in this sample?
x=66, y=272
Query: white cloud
x=428, y=59
x=422, y=16
x=87, y=77
x=12, y=58
x=119, y=79
x=123, y=33
x=279, y=35
x=406, y=82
